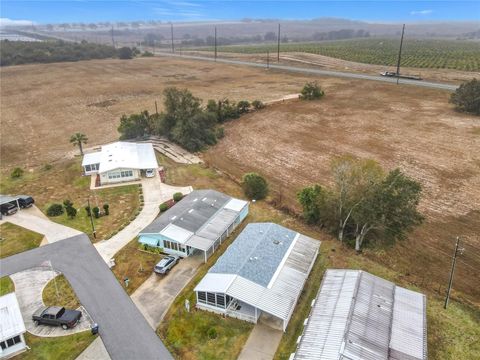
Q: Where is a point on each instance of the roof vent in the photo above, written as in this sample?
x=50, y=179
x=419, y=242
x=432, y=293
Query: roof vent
x=190, y=211
x=174, y=217
x=276, y=242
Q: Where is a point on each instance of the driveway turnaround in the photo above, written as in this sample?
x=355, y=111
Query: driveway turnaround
x=29, y=285
x=33, y=219
x=154, y=193
x=124, y=331
x=156, y=294
x=297, y=69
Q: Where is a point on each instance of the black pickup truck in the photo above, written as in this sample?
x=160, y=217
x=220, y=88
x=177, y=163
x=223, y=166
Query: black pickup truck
x=56, y=316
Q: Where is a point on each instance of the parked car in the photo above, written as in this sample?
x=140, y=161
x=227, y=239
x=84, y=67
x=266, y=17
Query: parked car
x=166, y=264
x=25, y=201
x=56, y=316
x=8, y=209
x=149, y=173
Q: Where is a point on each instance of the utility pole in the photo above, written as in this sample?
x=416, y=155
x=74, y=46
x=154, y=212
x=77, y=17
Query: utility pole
x=91, y=220
x=215, y=43
x=452, y=270
x=278, y=44
x=171, y=31
x=268, y=59
x=156, y=108
x=400, y=54
x=113, y=40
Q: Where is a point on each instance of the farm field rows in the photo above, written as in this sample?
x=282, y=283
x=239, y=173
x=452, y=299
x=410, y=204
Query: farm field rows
x=435, y=54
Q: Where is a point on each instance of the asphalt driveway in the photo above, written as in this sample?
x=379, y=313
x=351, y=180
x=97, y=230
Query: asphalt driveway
x=124, y=331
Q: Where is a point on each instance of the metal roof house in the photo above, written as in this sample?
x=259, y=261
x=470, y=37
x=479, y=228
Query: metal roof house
x=200, y=221
x=120, y=161
x=357, y=315
x=262, y=271
x=12, y=327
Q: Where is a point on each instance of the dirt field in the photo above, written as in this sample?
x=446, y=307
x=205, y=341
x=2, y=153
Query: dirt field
x=42, y=105
x=292, y=144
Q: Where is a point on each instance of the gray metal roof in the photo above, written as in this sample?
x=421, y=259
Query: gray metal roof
x=7, y=198
x=256, y=253
x=200, y=201
x=357, y=315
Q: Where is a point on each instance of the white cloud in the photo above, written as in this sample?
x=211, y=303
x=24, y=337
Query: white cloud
x=11, y=22
x=421, y=12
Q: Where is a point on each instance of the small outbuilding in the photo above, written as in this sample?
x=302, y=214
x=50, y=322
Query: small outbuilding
x=201, y=221
x=357, y=315
x=12, y=327
x=262, y=272
x=120, y=161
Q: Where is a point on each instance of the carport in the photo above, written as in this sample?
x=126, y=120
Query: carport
x=5, y=199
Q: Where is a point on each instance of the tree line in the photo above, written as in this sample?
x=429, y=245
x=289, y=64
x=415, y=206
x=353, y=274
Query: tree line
x=29, y=52
x=184, y=120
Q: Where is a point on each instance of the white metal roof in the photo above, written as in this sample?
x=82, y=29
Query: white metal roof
x=176, y=233
x=11, y=321
x=218, y=283
x=236, y=204
x=199, y=243
x=357, y=315
x=123, y=155
x=92, y=158
x=279, y=299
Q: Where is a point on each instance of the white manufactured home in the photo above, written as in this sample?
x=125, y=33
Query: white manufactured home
x=120, y=161
x=262, y=272
x=357, y=315
x=12, y=327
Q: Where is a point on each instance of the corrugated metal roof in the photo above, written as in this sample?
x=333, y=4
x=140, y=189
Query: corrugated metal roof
x=357, y=315
x=279, y=299
x=7, y=198
x=11, y=321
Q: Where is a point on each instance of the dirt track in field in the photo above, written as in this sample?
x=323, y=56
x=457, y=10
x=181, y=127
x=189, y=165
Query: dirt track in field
x=293, y=143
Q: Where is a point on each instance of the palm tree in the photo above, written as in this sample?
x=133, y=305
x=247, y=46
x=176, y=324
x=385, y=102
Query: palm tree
x=78, y=139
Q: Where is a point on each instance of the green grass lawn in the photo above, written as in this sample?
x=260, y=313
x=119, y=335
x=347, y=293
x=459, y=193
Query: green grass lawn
x=65, y=181
x=6, y=285
x=56, y=348
x=135, y=264
x=15, y=239
x=58, y=292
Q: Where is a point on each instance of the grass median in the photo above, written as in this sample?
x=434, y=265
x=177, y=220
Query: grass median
x=16, y=239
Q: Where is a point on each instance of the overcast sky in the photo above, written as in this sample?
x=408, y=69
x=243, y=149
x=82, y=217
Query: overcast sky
x=40, y=11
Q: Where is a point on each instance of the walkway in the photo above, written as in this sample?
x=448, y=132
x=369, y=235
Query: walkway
x=262, y=343
x=29, y=285
x=157, y=293
x=154, y=193
x=33, y=219
x=124, y=331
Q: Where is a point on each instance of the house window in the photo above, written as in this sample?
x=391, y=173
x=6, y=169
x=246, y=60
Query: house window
x=126, y=173
x=10, y=342
x=3, y=344
x=202, y=297
x=113, y=175
x=221, y=300
x=211, y=299
x=88, y=168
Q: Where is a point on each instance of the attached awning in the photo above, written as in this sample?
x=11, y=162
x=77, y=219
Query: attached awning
x=92, y=158
x=148, y=240
x=199, y=243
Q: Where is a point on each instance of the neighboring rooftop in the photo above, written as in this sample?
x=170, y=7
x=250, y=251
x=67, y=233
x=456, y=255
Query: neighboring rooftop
x=357, y=315
x=199, y=219
x=125, y=155
x=256, y=253
x=11, y=321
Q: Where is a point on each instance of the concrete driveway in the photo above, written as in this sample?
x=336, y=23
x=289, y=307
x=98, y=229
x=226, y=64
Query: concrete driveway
x=154, y=193
x=157, y=293
x=124, y=331
x=262, y=343
x=33, y=219
x=29, y=285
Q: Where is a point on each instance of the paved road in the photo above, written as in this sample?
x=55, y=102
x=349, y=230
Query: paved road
x=343, y=74
x=124, y=331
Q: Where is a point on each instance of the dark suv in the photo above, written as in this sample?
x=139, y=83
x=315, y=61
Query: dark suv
x=8, y=209
x=25, y=201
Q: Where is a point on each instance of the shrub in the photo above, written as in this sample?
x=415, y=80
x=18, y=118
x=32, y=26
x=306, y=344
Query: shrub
x=311, y=91
x=243, y=106
x=55, y=210
x=96, y=212
x=163, y=207
x=17, y=173
x=149, y=248
x=177, y=196
x=254, y=186
x=147, y=54
x=88, y=210
x=257, y=104
x=467, y=97
x=212, y=333
x=220, y=132
x=47, y=167
x=125, y=53
x=106, y=209
x=67, y=203
x=71, y=212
